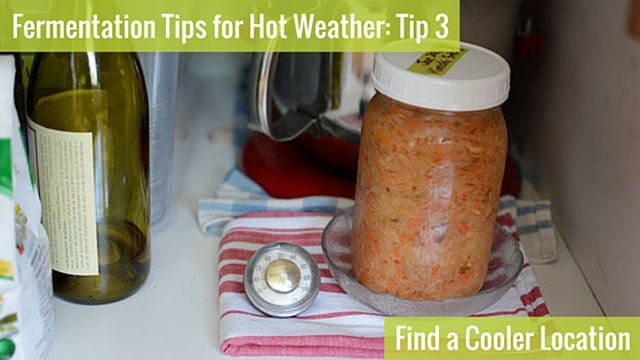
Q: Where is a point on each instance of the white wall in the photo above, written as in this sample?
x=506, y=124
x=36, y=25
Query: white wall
x=576, y=110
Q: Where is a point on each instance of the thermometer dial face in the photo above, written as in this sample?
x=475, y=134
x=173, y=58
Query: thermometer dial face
x=281, y=279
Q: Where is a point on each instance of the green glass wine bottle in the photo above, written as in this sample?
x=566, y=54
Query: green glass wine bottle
x=88, y=142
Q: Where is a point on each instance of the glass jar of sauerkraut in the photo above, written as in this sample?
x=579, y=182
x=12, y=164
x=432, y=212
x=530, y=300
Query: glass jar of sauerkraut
x=432, y=155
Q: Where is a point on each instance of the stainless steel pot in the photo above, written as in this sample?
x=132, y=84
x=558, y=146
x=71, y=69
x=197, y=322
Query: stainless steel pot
x=320, y=93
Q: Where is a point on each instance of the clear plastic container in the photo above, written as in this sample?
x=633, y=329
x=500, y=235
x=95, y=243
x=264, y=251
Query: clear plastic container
x=432, y=156
x=161, y=76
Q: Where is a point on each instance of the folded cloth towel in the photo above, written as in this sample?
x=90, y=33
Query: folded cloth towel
x=533, y=219
x=238, y=194
x=336, y=325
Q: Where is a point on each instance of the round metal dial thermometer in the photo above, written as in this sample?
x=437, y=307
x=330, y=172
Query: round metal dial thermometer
x=281, y=279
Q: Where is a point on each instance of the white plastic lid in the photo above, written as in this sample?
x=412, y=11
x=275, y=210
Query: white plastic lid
x=478, y=80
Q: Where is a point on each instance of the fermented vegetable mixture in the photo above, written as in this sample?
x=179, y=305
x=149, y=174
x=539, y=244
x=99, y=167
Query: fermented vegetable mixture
x=426, y=200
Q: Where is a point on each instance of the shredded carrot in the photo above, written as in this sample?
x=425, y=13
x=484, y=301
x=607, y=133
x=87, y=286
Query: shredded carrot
x=426, y=198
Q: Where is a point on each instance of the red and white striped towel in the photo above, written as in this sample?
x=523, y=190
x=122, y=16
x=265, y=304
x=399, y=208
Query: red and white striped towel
x=336, y=325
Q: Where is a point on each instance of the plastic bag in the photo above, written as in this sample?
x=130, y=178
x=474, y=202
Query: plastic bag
x=26, y=311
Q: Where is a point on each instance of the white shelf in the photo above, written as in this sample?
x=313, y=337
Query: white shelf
x=175, y=315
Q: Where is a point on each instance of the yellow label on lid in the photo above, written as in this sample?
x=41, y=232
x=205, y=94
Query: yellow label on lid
x=436, y=63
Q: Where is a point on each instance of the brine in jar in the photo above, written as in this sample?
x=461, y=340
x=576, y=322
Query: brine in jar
x=428, y=184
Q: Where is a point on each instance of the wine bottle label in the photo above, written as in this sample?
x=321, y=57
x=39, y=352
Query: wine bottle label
x=63, y=164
